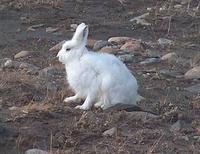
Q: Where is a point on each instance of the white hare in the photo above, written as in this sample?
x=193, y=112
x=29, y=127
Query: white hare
x=97, y=78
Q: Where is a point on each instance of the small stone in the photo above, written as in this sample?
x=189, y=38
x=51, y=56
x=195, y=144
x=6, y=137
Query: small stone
x=171, y=74
x=30, y=69
x=36, y=151
x=11, y=64
x=134, y=45
x=109, y=49
x=58, y=46
x=185, y=2
x=51, y=30
x=176, y=126
x=13, y=108
x=185, y=138
x=163, y=42
x=110, y=132
x=193, y=73
x=126, y=58
x=22, y=54
x=194, y=88
x=153, y=53
x=100, y=44
x=150, y=61
x=172, y=56
x=73, y=27
x=50, y=72
x=32, y=28
x=3, y=61
x=90, y=43
x=141, y=20
x=178, y=6
x=119, y=40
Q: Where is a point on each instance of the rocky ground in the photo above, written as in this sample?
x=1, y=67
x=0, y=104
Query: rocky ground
x=158, y=40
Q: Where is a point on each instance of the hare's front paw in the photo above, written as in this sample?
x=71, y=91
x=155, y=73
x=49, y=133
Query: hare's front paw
x=74, y=98
x=82, y=107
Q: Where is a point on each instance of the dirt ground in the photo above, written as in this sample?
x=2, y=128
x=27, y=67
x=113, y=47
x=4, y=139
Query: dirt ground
x=32, y=112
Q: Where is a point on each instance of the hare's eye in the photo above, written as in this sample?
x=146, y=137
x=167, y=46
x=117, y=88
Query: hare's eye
x=67, y=49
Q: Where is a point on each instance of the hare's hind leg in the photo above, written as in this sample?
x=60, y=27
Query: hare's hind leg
x=98, y=104
x=75, y=98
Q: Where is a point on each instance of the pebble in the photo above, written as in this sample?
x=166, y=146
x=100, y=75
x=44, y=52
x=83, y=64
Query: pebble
x=33, y=27
x=134, y=45
x=3, y=61
x=150, y=61
x=110, y=132
x=73, y=27
x=193, y=73
x=152, y=53
x=171, y=74
x=36, y=151
x=194, y=89
x=50, y=72
x=119, y=40
x=126, y=58
x=109, y=49
x=58, y=46
x=51, y=30
x=100, y=44
x=22, y=54
x=176, y=126
x=172, y=56
x=90, y=43
x=11, y=64
x=163, y=42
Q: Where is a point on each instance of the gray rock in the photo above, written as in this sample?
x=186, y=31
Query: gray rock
x=163, y=42
x=176, y=126
x=193, y=73
x=150, y=61
x=100, y=44
x=73, y=27
x=33, y=27
x=119, y=40
x=126, y=58
x=110, y=132
x=50, y=72
x=3, y=61
x=141, y=20
x=29, y=68
x=51, y=30
x=172, y=56
x=152, y=53
x=11, y=64
x=57, y=47
x=194, y=88
x=171, y=74
x=22, y=54
x=36, y=151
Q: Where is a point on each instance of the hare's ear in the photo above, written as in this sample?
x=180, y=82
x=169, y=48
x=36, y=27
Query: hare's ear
x=81, y=34
x=85, y=33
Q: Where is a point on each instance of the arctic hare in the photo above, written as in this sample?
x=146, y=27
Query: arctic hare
x=97, y=78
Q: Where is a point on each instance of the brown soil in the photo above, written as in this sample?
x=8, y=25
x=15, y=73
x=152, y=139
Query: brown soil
x=34, y=116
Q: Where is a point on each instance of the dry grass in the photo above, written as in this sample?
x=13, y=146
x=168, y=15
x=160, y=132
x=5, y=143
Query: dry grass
x=28, y=3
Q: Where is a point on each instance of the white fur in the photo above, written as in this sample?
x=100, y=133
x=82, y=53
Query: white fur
x=98, y=78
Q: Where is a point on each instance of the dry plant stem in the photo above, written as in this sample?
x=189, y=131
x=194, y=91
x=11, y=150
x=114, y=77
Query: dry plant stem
x=51, y=143
x=169, y=25
x=151, y=150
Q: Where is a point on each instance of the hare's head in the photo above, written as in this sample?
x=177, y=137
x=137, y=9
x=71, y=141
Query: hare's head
x=78, y=41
